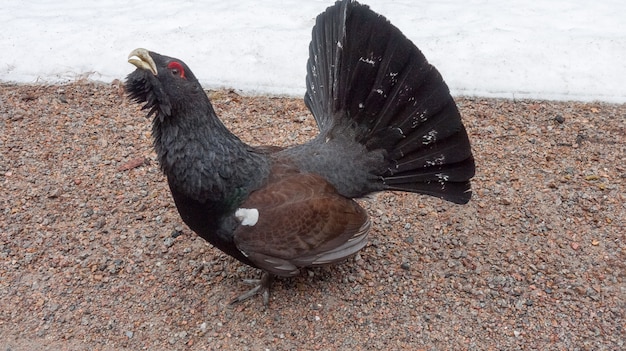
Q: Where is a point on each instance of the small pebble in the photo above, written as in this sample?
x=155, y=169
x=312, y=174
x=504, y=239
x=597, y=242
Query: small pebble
x=168, y=242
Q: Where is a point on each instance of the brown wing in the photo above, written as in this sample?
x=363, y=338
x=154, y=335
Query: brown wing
x=302, y=221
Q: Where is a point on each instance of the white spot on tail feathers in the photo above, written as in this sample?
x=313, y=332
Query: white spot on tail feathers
x=419, y=119
x=367, y=60
x=437, y=161
x=247, y=216
x=443, y=177
x=393, y=76
x=430, y=137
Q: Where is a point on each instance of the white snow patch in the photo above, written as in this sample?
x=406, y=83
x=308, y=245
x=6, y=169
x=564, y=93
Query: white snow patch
x=559, y=49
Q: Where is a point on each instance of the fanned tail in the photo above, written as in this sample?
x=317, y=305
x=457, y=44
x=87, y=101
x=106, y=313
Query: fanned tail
x=363, y=71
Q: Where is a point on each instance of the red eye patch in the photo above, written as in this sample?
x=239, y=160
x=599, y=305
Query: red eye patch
x=177, y=68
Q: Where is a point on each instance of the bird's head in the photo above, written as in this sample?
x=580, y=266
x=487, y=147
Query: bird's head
x=165, y=84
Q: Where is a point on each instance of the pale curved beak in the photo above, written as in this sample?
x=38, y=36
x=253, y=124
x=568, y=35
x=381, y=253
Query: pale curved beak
x=140, y=58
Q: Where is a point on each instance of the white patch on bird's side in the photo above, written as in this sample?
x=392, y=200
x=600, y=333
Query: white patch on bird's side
x=247, y=216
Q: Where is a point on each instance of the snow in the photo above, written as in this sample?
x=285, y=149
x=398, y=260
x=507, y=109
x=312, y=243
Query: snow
x=558, y=49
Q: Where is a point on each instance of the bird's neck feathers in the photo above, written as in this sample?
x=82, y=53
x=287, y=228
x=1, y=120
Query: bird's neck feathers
x=202, y=159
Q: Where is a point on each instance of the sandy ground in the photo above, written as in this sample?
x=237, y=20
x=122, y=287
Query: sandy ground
x=93, y=255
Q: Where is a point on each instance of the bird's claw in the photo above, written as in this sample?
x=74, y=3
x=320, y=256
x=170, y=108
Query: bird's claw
x=260, y=286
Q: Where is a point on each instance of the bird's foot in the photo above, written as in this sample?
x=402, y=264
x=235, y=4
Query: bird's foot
x=261, y=287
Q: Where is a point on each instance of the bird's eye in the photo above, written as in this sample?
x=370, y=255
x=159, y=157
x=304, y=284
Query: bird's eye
x=177, y=69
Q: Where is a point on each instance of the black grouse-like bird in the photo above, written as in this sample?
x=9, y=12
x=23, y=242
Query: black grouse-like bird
x=386, y=122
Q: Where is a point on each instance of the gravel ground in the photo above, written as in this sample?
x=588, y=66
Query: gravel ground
x=94, y=256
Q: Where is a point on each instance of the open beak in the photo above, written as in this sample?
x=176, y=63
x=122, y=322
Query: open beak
x=141, y=59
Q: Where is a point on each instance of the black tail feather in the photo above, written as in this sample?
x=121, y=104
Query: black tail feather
x=451, y=151
x=449, y=182
x=322, y=75
x=362, y=70
x=459, y=193
x=430, y=131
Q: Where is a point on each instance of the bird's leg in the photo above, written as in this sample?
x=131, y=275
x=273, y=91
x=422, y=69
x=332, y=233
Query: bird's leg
x=261, y=286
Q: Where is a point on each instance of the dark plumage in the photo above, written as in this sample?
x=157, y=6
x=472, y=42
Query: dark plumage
x=387, y=122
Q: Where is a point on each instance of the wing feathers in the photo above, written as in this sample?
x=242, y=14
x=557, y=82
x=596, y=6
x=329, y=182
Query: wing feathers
x=302, y=222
